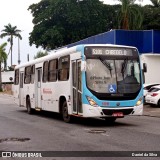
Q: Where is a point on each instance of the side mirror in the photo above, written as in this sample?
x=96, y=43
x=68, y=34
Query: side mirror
x=143, y=77
x=144, y=67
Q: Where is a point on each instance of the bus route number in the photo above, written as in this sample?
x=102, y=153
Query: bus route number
x=97, y=51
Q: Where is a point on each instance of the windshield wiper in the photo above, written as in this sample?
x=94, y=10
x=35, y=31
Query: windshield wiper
x=108, y=65
x=124, y=66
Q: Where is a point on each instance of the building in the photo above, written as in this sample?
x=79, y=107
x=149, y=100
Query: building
x=147, y=42
x=7, y=80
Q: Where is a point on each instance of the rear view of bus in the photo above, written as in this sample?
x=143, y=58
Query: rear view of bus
x=113, y=82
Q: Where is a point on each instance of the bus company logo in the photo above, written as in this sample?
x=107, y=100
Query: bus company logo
x=118, y=104
x=47, y=91
x=6, y=154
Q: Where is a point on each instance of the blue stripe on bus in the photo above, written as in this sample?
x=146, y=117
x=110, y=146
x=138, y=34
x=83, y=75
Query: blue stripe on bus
x=80, y=48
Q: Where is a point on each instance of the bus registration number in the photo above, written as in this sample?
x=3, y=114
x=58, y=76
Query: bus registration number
x=118, y=114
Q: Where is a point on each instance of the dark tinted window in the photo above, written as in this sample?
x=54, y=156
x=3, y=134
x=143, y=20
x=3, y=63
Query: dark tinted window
x=16, y=79
x=33, y=73
x=63, y=67
x=154, y=89
x=52, y=70
x=149, y=86
x=27, y=77
x=45, y=71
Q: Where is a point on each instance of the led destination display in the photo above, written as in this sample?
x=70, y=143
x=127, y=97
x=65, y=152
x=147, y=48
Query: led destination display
x=111, y=51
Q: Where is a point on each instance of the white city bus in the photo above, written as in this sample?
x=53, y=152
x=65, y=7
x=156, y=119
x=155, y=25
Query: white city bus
x=85, y=80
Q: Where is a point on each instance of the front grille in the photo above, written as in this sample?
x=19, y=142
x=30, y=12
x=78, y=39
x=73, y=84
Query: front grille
x=111, y=111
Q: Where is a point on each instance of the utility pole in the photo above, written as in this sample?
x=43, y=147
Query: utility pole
x=28, y=57
x=19, y=61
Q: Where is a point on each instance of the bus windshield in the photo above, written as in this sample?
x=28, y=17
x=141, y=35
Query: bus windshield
x=114, y=76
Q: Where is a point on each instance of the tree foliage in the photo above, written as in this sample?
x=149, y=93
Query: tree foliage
x=152, y=15
x=40, y=54
x=61, y=22
x=3, y=57
x=156, y=3
x=130, y=15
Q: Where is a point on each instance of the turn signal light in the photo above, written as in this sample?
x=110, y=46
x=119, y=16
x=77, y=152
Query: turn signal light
x=91, y=101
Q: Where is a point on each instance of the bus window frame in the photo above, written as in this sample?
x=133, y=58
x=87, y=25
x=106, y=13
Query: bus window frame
x=63, y=68
x=16, y=79
x=45, y=71
x=32, y=73
x=27, y=75
x=52, y=72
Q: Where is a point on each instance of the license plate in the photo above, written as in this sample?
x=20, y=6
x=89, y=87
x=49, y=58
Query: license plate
x=118, y=114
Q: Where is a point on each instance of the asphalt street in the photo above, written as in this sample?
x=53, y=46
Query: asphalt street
x=46, y=131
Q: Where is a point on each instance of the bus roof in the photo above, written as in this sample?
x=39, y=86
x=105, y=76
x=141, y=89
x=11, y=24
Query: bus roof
x=65, y=51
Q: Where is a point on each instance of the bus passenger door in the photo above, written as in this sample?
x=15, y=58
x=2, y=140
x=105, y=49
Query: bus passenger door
x=77, y=87
x=21, y=94
x=38, y=88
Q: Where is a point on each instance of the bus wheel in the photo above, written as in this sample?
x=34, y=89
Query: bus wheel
x=158, y=104
x=66, y=116
x=110, y=120
x=28, y=105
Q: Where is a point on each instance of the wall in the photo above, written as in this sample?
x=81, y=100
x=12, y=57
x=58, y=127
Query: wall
x=153, y=67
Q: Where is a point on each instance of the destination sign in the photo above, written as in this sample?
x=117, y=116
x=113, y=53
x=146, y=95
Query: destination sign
x=112, y=51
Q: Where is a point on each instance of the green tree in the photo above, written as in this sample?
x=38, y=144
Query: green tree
x=40, y=54
x=60, y=22
x=11, y=31
x=156, y=3
x=130, y=15
x=151, y=14
x=3, y=57
x=111, y=11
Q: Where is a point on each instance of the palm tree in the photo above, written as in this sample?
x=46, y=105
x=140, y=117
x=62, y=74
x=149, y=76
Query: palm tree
x=3, y=58
x=11, y=31
x=129, y=16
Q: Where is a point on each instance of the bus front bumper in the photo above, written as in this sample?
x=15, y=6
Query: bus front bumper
x=90, y=111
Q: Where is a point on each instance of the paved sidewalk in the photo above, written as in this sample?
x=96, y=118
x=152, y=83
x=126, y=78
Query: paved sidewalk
x=151, y=110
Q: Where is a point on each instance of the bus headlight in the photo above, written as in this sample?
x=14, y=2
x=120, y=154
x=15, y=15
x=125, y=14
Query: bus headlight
x=139, y=102
x=91, y=102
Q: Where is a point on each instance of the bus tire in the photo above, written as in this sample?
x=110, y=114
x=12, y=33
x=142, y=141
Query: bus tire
x=110, y=120
x=28, y=105
x=66, y=116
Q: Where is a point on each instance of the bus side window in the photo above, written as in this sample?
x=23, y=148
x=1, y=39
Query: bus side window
x=45, y=71
x=32, y=74
x=27, y=77
x=63, y=71
x=52, y=77
x=16, y=79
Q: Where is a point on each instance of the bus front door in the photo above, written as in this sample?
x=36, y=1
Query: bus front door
x=38, y=89
x=77, y=87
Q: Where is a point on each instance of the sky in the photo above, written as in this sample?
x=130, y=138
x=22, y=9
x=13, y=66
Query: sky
x=15, y=12
x=142, y=2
